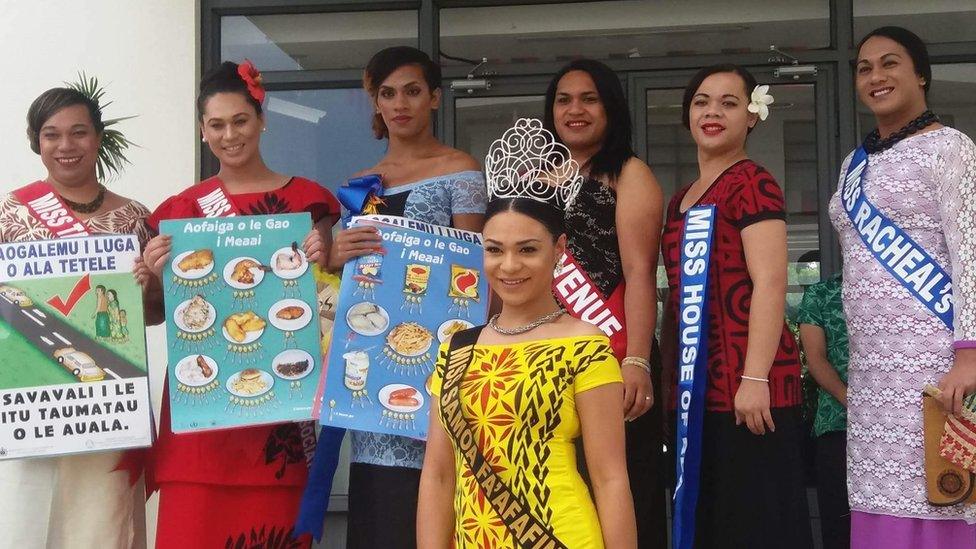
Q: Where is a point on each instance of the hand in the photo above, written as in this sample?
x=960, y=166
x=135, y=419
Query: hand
x=157, y=253
x=638, y=391
x=314, y=248
x=353, y=243
x=752, y=407
x=142, y=273
x=960, y=381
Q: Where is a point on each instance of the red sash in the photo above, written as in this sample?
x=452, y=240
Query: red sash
x=583, y=300
x=213, y=200
x=46, y=207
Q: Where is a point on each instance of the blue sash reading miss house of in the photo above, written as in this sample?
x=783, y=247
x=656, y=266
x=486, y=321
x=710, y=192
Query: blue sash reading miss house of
x=696, y=250
x=905, y=259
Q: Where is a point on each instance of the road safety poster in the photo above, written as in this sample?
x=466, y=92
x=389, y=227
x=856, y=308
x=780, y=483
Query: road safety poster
x=394, y=310
x=73, y=375
x=242, y=322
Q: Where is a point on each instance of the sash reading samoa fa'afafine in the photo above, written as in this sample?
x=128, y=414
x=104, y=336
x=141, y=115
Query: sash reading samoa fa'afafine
x=696, y=251
x=212, y=199
x=905, y=259
x=526, y=528
x=46, y=207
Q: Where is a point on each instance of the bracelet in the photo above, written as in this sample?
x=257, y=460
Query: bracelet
x=750, y=378
x=641, y=363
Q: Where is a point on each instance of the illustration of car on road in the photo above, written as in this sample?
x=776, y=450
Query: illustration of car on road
x=16, y=295
x=79, y=364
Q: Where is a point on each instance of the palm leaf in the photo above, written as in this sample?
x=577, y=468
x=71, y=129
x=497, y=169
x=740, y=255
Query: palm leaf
x=112, y=154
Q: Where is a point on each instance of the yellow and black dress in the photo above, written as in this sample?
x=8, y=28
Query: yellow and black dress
x=510, y=411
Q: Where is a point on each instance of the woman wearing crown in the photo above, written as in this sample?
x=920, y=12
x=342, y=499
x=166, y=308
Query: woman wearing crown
x=607, y=276
x=512, y=396
x=740, y=479
x=240, y=486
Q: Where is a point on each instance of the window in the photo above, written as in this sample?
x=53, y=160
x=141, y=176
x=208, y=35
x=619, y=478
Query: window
x=313, y=41
x=631, y=29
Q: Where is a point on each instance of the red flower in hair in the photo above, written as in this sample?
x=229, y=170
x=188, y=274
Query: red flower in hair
x=250, y=75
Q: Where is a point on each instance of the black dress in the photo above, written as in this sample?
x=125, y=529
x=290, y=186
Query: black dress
x=592, y=239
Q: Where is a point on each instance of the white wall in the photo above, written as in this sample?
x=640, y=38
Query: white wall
x=145, y=53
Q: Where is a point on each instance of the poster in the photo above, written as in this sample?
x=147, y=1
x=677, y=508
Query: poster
x=73, y=375
x=242, y=322
x=394, y=311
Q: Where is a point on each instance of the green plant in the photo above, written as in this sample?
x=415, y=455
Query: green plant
x=111, y=155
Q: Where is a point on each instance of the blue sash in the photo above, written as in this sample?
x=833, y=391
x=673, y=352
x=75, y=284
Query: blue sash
x=696, y=250
x=904, y=258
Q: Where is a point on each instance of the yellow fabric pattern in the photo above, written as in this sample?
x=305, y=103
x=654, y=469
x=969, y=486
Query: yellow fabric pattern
x=519, y=401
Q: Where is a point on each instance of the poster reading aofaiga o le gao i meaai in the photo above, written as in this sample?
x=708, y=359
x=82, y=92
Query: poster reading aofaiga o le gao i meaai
x=73, y=375
x=242, y=322
x=395, y=309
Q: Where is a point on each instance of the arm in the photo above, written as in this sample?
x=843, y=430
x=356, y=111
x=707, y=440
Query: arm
x=815, y=344
x=640, y=205
x=958, y=209
x=764, y=244
x=435, y=508
x=603, y=444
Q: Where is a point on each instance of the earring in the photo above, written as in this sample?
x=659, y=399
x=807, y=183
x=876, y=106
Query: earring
x=264, y=129
x=203, y=139
x=558, y=269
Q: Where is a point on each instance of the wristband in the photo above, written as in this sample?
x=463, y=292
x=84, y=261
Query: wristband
x=750, y=378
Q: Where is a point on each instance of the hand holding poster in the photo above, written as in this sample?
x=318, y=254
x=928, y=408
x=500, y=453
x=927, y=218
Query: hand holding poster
x=394, y=310
x=241, y=321
x=73, y=374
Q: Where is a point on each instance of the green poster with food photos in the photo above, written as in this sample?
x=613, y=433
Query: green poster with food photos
x=242, y=322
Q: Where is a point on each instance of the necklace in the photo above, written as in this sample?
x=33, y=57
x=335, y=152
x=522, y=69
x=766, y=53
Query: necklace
x=87, y=207
x=530, y=326
x=874, y=144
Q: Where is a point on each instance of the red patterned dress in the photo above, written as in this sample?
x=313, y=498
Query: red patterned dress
x=751, y=486
x=238, y=487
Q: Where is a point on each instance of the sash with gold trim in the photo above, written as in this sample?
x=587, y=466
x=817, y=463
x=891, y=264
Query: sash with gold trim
x=526, y=529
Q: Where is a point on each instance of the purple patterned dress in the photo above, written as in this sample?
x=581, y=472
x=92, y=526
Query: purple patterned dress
x=926, y=184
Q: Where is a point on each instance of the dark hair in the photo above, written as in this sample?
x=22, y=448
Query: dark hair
x=100, y=287
x=384, y=63
x=617, y=148
x=223, y=79
x=550, y=216
x=912, y=43
x=809, y=256
x=114, y=294
x=696, y=82
x=49, y=103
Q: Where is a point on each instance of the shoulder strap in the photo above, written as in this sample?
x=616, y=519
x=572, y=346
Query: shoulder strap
x=213, y=200
x=525, y=528
x=47, y=208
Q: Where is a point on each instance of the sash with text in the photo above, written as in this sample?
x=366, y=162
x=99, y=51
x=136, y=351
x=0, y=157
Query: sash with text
x=696, y=250
x=905, y=259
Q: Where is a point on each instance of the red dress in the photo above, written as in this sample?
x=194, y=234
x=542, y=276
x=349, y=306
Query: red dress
x=744, y=194
x=239, y=487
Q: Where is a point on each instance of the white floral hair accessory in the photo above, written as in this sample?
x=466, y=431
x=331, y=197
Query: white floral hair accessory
x=761, y=100
x=528, y=162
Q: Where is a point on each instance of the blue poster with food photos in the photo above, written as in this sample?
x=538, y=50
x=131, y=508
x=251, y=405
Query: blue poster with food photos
x=395, y=309
x=242, y=322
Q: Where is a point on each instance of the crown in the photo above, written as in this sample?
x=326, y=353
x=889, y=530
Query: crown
x=528, y=162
